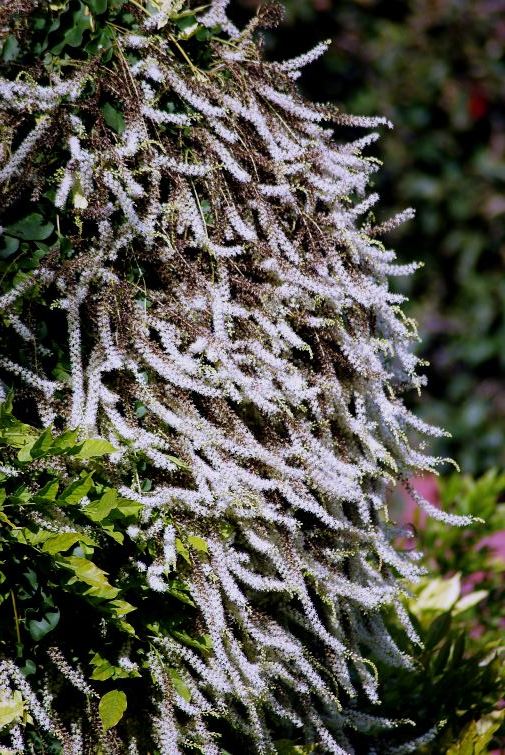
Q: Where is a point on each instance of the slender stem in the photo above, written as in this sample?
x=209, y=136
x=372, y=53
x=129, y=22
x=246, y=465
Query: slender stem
x=16, y=617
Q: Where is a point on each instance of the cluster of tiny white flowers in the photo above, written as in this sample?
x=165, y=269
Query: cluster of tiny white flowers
x=275, y=357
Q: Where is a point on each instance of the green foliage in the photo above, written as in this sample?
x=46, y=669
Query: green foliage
x=68, y=581
x=111, y=708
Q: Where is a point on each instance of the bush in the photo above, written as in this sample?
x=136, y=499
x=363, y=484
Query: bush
x=201, y=294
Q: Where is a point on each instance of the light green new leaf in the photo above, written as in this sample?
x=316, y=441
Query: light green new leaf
x=48, y=493
x=477, y=735
x=90, y=574
x=76, y=490
x=438, y=595
x=61, y=543
x=99, y=510
x=93, y=447
x=111, y=708
x=180, y=685
x=198, y=543
x=11, y=709
x=470, y=600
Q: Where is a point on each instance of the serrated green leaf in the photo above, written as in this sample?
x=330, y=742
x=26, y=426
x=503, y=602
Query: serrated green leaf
x=42, y=444
x=16, y=434
x=48, y=493
x=111, y=708
x=103, y=669
x=65, y=442
x=121, y=607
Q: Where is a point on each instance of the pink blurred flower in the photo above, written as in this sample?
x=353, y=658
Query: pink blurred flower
x=496, y=542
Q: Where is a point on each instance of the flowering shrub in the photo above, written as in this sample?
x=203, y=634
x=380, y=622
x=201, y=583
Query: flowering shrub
x=191, y=266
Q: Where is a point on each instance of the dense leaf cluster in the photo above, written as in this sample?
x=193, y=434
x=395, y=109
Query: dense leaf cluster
x=69, y=589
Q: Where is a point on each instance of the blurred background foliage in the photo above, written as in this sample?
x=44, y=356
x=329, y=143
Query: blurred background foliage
x=436, y=68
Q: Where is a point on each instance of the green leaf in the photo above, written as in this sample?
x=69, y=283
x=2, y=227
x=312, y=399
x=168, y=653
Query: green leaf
x=113, y=118
x=179, y=590
x=470, y=600
x=76, y=490
x=61, y=543
x=42, y=444
x=39, y=629
x=80, y=23
x=111, y=708
x=103, y=669
x=198, y=543
x=48, y=493
x=11, y=709
x=286, y=747
x=477, y=735
x=99, y=510
x=202, y=642
x=16, y=434
x=438, y=595
x=179, y=685
x=97, y=6
x=121, y=607
x=178, y=462
x=438, y=629
x=10, y=49
x=90, y=574
x=182, y=550
x=25, y=453
x=31, y=228
x=65, y=442
x=188, y=26
x=10, y=246
x=93, y=447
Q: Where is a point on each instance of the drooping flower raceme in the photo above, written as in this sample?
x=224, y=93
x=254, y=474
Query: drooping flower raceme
x=226, y=277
